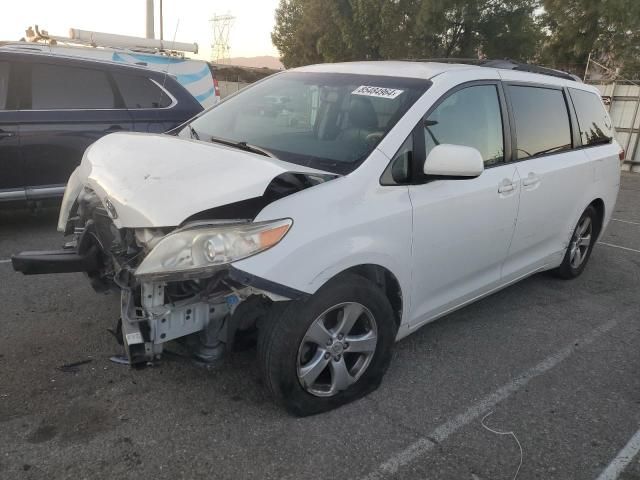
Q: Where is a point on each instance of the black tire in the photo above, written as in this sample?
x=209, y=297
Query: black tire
x=567, y=270
x=282, y=333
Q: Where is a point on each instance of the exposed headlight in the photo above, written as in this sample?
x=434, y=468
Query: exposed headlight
x=198, y=251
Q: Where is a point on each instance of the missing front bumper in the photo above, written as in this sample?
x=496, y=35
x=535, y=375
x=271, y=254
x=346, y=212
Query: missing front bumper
x=56, y=261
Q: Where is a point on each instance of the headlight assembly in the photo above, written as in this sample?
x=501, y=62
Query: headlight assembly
x=198, y=251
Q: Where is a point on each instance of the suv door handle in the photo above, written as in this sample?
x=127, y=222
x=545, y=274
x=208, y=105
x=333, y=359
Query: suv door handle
x=506, y=186
x=4, y=134
x=532, y=179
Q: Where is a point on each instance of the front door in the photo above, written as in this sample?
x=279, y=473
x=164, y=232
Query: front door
x=11, y=182
x=70, y=108
x=462, y=228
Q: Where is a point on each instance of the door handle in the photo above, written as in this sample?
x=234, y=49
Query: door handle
x=506, y=186
x=531, y=180
x=4, y=134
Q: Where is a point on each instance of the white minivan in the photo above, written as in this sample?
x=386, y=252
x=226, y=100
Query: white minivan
x=376, y=197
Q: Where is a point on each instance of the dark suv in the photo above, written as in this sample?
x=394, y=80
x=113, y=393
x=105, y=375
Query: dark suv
x=53, y=107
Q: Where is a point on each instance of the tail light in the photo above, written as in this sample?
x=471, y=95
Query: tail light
x=621, y=154
x=216, y=87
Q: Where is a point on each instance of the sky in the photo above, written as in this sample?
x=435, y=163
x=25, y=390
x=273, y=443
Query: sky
x=250, y=32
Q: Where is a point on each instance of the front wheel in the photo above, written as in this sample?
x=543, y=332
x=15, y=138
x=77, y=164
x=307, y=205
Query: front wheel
x=328, y=350
x=581, y=244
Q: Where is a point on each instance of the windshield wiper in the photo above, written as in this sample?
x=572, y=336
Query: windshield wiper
x=243, y=146
x=192, y=132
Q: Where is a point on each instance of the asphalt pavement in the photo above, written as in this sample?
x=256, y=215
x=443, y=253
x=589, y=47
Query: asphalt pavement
x=556, y=363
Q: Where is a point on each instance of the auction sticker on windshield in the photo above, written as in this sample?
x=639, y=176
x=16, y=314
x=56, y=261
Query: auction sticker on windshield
x=380, y=92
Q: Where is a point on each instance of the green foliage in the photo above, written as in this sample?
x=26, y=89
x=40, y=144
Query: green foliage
x=608, y=29
x=557, y=32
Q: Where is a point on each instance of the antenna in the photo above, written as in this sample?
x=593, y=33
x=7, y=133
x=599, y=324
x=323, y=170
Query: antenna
x=169, y=58
x=221, y=26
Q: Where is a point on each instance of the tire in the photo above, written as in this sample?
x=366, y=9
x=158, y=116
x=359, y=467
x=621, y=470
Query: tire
x=572, y=265
x=288, y=346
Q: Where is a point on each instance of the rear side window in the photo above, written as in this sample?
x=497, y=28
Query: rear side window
x=541, y=120
x=593, y=121
x=140, y=92
x=4, y=84
x=469, y=117
x=58, y=87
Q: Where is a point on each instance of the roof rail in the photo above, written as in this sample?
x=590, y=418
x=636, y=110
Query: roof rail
x=509, y=64
x=506, y=64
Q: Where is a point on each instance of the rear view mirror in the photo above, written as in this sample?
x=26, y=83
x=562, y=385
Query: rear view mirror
x=454, y=161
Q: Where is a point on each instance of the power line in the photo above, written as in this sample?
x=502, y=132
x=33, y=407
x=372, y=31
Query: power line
x=221, y=28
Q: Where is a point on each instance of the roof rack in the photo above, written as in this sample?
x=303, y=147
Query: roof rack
x=506, y=64
x=85, y=38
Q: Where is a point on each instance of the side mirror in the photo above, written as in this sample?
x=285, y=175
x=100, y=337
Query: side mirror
x=454, y=161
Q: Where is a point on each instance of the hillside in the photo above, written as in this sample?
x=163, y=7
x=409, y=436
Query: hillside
x=264, y=61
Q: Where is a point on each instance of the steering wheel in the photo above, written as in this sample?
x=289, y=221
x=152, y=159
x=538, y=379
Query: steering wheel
x=374, y=137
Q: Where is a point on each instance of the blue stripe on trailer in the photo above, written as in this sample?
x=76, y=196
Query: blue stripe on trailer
x=187, y=78
x=203, y=96
x=157, y=59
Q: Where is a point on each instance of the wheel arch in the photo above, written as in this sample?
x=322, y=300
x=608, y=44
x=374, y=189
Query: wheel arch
x=385, y=279
x=594, y=201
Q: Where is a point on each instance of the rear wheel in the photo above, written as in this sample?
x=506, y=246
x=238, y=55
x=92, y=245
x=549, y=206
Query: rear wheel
x=329, y=350
x=581, y=244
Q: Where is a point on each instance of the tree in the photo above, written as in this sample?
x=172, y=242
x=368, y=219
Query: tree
x=296, y=34
x=511, y=29
x=337, y=30
x=476, y=28
x=608, y=29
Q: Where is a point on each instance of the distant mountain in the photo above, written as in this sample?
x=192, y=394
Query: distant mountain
x=257, y=62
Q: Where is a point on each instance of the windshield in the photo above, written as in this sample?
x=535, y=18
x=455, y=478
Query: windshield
x=326, y=121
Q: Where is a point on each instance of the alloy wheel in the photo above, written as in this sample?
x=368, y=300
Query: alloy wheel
x=337, y=349
x=580, y=242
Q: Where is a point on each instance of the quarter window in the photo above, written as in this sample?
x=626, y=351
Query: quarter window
x=399, y=170
x=140, y=92
x=541, y=120
x=593, y=121
x=470, y=117
x=4, y=84
x=57, y=87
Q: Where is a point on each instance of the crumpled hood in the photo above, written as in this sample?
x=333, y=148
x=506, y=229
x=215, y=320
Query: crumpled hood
x=160, y=180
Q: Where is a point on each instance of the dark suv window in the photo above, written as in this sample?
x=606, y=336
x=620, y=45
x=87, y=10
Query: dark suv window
x=4, y=84
x=140, y=92
x=542, y=120
x=57, y=87
x=469, y=117
x=593, y=121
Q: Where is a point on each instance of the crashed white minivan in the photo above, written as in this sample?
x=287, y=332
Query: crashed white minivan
x=368, y=200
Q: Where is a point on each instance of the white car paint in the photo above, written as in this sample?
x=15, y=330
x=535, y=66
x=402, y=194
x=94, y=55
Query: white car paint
x=444, y=272
x=446, y=242
x=160, y=180
x=453, y=160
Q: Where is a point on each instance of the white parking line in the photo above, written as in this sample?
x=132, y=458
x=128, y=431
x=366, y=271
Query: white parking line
x=618, y=246
x=6, y=261
x=423, y=446
x=625, y=221
x=618, y=464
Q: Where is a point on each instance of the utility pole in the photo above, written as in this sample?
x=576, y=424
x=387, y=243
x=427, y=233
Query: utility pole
x=150, y=19
x=161, y=23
